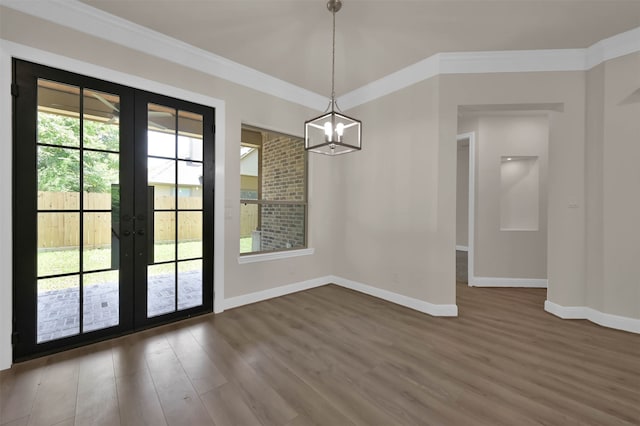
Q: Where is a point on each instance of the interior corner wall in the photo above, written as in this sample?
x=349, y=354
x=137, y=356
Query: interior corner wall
x=620, y=287
x=462, y=196
x=241, y=105
x=566, y=226
x=594, y=186
x=397, y=230
x=499, y=252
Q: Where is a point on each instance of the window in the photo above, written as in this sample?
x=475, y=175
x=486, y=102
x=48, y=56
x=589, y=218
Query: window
x=273, y=191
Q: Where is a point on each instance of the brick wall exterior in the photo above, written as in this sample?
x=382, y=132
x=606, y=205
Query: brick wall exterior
x=283, y=178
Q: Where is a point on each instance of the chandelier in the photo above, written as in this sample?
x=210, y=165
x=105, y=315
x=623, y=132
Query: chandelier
x=333, y=133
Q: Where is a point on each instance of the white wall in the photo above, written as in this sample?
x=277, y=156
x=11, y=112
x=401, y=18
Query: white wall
x=612, y=202
x=462, y=195
x=619, y=292
x=565, y=248
x=520, y=194
x=397, y=230
x=499, y=251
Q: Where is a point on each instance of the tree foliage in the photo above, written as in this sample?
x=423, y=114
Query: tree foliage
x=59, y=165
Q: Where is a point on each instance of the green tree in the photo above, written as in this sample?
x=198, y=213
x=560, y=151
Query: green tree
x=59, y=164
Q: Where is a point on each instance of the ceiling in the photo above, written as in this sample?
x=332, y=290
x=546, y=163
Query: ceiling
x=291, y=39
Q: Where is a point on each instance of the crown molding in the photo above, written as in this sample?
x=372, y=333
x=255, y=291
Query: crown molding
x=613, y=47
x=467, y=63
x=84, y=18
x=496, y=62
x=89, y=20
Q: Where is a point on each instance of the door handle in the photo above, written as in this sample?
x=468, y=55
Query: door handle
x=126, y=233
x=140, y=231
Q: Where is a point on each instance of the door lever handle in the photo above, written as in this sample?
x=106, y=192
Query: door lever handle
x=140, y=231
x=126, y=233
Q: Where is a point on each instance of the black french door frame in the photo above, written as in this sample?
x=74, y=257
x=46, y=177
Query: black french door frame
x=133, y=184
x=143, y=207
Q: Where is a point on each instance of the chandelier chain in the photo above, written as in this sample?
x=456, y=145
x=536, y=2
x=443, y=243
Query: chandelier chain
x=333, y=62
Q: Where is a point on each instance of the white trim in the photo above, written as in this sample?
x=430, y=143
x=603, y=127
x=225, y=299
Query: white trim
x=462, y=248
x=466, y=63
x=508, y=282
x=496, y=62
x=422, y=70
x=6, y=177
x=617, y=322
x=219, y=210
x=399, y=299
x=89, y=20
x=613, y=47
x=263, y=257
x=512, y=61
x=259, y=296
x=471, y=232
x=565, y=312
x=9, y=50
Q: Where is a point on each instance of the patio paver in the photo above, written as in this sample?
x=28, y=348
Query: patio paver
x=58, y=313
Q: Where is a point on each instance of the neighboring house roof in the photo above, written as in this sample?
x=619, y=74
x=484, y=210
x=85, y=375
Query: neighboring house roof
x=248, y=161
x=162, y=170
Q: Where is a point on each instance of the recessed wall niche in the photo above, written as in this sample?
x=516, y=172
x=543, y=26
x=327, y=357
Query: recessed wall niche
x=519, y=193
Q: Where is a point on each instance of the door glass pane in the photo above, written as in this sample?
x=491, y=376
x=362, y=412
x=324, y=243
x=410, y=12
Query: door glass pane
x=161, y=289
x=101, y=174
x=161, y=131
x=58, y=178
x=101, y=297
x=189, y=136
x=189, y=284
x=58, y=307
x=100, y=242
x=58, y=109
x=101, y=120
x=189, y=235
x=164, y=237
x=58, y=243
x=189, y=185
x=162, y=177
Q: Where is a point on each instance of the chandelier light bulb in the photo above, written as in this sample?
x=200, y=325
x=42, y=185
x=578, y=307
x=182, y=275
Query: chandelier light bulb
x=328, y=131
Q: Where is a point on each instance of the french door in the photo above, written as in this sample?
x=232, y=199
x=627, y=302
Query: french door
x=113, y=209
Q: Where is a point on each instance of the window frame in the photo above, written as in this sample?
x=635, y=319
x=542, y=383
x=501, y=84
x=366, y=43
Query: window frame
x=252, y=256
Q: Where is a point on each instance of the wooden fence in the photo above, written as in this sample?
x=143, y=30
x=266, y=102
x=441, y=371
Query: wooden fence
x=248, y=219
x=63, y=229
x=59, y=230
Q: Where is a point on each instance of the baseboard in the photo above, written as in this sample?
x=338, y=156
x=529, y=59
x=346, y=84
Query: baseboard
x=409, y=302
x=507, y=282
x=258, y=296
x=617, y=322
x=399, y=299
x=462, y=248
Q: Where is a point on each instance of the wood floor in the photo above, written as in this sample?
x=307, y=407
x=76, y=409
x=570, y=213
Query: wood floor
x=330, y=356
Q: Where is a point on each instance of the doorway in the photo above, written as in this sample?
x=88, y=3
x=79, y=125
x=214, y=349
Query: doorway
x=113, y=209
x=465, y=207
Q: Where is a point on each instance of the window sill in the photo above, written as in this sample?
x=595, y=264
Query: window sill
x=263, y=257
